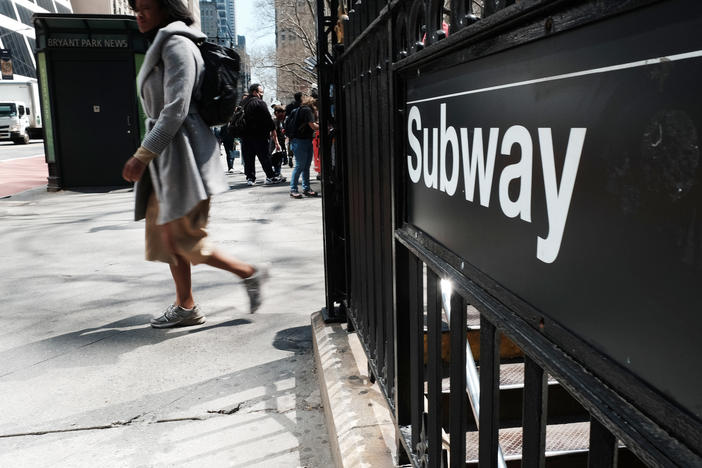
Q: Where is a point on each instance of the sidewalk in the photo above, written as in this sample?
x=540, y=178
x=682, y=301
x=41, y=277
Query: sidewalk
x=85, y=381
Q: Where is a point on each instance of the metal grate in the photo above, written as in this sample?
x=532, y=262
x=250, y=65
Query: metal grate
x=560, y=439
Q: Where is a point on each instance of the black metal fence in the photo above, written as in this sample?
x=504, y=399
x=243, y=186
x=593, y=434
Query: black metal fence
x=423, y=313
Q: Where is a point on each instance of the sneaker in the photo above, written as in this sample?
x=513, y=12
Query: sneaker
x=230, y=171
x=253, y=286
x=275, y=180
x=250, y=182
x=309, y=193
x=295, y=195
x=176, y=316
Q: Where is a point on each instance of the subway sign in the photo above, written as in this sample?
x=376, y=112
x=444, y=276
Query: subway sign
x=568, y=170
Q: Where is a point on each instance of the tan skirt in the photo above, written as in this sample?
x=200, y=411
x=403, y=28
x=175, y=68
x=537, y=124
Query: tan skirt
x=185, y=237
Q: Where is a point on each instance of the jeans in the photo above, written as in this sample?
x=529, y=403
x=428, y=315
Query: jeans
x=252, y=147
x=302, y=147
x=229, y=151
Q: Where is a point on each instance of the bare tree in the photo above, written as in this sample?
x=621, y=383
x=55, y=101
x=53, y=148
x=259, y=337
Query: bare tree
x=296, y=44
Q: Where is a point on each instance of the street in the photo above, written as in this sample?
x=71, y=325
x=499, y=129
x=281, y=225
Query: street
x=10, y=151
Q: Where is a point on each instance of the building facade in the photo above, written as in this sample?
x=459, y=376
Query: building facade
x=295, y=40
x=245, y=70
x=209, y=19
x=101, y=7
x=17, y=30
x=220, y=18
x=121, y=7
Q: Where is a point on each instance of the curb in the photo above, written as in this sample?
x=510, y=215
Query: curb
x=360, y=425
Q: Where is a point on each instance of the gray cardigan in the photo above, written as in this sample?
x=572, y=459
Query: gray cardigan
x=187, y=169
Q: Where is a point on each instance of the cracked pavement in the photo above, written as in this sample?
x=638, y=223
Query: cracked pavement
x=85, y=381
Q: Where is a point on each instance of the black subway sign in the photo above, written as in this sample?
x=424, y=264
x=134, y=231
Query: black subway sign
x=476, y=165
x=569, y=171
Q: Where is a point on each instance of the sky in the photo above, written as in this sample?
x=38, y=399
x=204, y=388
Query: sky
x=248, y=24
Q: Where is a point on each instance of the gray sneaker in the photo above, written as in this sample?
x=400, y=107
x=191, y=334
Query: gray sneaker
x=253, y=286
x=275, y=180
x=176, y=316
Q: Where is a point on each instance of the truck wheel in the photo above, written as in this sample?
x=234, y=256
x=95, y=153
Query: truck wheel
x=22, y=140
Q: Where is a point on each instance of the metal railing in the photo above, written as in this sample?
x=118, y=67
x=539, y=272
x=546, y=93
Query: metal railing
x=386, y=274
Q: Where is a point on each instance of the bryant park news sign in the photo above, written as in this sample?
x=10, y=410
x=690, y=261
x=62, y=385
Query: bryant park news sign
x=569, y=171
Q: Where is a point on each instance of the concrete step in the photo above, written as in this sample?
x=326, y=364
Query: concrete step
x=359, y=422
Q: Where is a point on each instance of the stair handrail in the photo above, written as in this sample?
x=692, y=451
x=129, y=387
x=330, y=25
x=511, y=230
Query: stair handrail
x=472, y=377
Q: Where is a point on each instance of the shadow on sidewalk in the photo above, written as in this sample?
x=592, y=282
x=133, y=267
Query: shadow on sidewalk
x=277, y=401
x=122, y=336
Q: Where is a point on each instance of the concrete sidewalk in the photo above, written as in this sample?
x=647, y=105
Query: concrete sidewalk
x=85, y=381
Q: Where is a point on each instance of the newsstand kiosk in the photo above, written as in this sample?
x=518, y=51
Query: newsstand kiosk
x=87, y=67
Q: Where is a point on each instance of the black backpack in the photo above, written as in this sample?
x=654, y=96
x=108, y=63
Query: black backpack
x=218, y=96
x=237, y=126
x=290, y=126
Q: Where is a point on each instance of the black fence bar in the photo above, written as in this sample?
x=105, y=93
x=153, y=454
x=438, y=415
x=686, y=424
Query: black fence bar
x=458, y=399
x=403, y=347
x=415, y=316
x=434, y=368
x=387, y=241
x=535, y=412
x=603, y=446
x=375, y=198
x=489, y=393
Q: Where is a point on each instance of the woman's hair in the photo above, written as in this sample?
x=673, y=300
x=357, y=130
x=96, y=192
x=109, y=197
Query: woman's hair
x=177, y=10
x=309, y=101
x=278, y=109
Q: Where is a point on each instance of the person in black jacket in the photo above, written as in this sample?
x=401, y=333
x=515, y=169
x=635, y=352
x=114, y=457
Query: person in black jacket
x=288, y=112
x=278, y=158
x=259, y=129
x=228, y=141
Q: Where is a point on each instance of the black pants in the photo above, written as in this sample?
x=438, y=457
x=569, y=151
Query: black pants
x=277, y=161
x=252, y=147
x=229, y=150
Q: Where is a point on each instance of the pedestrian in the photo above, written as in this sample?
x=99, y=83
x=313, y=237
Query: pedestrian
x=228, y=141
x=254, y=142
x=176, y=168
x=279, y=156
x=305, y=126
x=288, y=112
x=294, y=104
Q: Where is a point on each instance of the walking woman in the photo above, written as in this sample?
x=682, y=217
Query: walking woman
x=176, y=168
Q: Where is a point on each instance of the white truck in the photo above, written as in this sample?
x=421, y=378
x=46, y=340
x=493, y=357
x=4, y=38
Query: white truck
x=20, y=116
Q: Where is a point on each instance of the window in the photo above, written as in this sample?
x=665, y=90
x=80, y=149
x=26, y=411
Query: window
x=62, y=9
x=22, y=63
x=25, y=15
x=7, y=10
x=47, y=5
x=8, y=110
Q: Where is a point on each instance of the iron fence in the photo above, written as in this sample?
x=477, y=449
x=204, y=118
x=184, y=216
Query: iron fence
x=424, y=314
